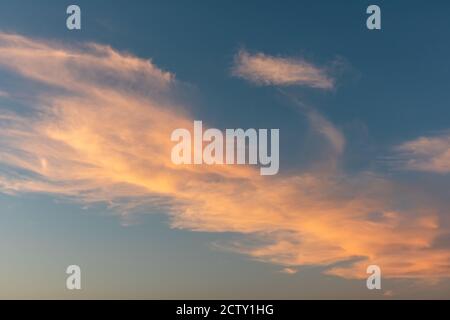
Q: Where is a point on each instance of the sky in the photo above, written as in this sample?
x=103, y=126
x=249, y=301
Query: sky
x=86, y=176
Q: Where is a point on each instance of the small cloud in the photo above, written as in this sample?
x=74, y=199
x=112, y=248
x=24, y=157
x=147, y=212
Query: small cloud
x=263, y=69
x=289, y=270
x=430, y=154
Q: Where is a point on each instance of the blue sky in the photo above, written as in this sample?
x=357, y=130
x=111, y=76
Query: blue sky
x=390, y=91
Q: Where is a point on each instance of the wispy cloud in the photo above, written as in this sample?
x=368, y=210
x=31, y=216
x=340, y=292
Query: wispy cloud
x=431, y=154
x=324, y=127
x=99, y=130
x=263, y=69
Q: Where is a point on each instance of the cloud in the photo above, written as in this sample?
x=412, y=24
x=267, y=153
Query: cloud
x=263, y=69
x=324, y=127
x=430, y=154
x=289, y=270
x=97, y=129
x=327, y=136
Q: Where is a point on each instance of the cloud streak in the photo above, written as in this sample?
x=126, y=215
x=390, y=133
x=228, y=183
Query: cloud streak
x=99, y=131
x=262, y=69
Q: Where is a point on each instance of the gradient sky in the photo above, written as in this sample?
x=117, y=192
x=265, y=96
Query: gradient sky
x=85, y=171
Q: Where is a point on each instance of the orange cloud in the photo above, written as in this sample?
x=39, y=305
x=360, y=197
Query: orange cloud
x=267, y=70
x=101, y=133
